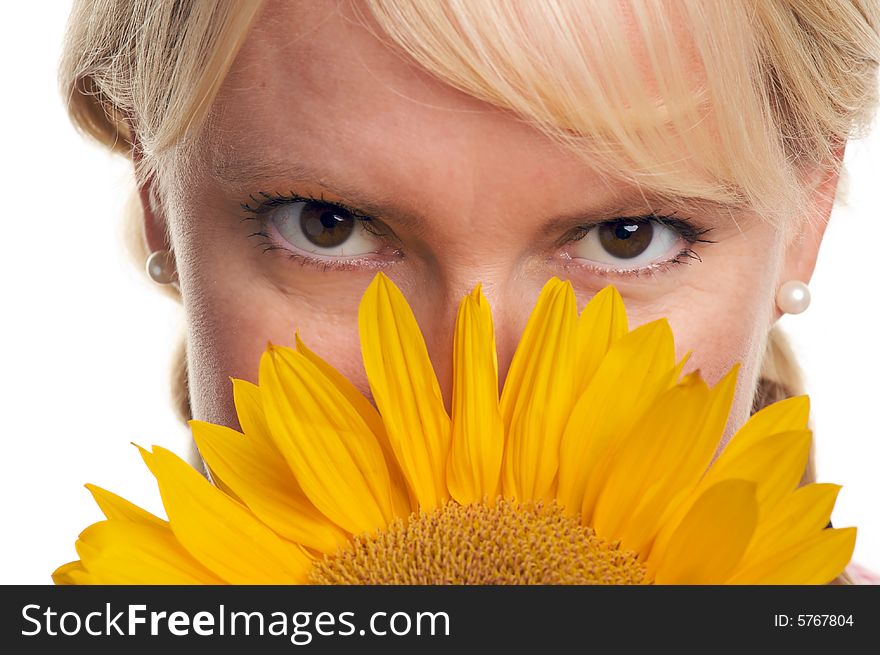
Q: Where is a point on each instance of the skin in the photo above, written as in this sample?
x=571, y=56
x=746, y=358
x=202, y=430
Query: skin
x=486, y=188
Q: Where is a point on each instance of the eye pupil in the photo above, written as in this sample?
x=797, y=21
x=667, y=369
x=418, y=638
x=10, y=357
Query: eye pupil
x=625, y=231
x=325, y=226
x=329, y=220
x=626, y=239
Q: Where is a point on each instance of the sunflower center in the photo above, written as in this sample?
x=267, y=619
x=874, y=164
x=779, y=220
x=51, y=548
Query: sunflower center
x=507, y=543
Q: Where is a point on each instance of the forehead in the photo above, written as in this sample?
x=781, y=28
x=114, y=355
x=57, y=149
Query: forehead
x=320, y=83
x=315, y=77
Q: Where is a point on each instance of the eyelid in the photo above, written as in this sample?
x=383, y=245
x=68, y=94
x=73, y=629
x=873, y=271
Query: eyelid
x=687, y=229
x=271, y=240
x=270, y=200
x=687, y=233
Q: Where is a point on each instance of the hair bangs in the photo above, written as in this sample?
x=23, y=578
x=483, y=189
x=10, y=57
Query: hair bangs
x=650, y=93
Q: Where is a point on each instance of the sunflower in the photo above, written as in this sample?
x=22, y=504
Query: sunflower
x=595, y=466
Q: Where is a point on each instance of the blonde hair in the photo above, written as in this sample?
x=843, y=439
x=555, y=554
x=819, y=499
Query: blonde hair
x=738, y=99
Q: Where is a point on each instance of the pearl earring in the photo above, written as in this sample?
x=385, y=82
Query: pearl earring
x=161, y=268
x=793, y=297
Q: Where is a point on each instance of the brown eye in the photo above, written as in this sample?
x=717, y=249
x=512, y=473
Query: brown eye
x=324, y=225
x=628, y=244
x=324, y=229
x=626, y=239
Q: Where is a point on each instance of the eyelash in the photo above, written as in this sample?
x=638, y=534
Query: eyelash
x=683, y=227
x=270, y=200
x=691, y=233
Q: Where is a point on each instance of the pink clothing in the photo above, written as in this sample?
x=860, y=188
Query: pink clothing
x=861, y=575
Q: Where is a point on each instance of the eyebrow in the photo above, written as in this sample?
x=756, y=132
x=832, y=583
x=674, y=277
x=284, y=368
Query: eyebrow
x=251, y=176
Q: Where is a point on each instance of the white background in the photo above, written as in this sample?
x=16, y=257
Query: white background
x=85, y=340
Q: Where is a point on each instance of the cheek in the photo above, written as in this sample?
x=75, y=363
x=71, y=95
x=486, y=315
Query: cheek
x=729, y=327
x=722, y=313
x=230, y=324
x=718, y=347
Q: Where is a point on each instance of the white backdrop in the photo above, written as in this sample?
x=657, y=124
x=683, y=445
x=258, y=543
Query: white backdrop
x=85, y=341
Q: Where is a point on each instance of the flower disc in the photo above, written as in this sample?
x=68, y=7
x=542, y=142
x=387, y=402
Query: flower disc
x=505, y=543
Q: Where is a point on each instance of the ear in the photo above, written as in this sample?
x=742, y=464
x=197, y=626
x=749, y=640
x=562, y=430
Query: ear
x=802, y=248
x=155, y=229
x=155, y=226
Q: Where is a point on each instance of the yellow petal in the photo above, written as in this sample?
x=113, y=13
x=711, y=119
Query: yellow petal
x=474, y=467
x=815, y=561
x=711, y=539
x=798, y=517
x=218, y=532
x=681, y=462
x=215, y=479
x=717, y=412
x=362, y=406
x=601, y=323
x=249, y=408
x=117, y=508
x=249, y=403
x=637, y=367
x=538, y=394
x=355, y=398
x=775, y=464
x=334, y=455
x=646, y=458
x=123, y=552
x=783, y=416
x=71, y=573
x=260, y=477
x=406, y=390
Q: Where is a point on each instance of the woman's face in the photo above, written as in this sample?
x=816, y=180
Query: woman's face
x=459, y=192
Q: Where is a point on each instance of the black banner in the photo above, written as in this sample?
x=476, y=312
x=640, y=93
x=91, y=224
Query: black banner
x=433, y=619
